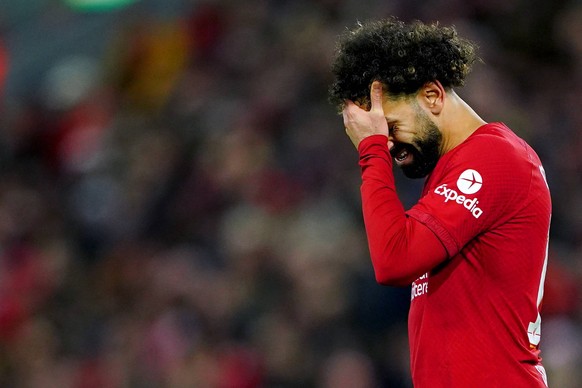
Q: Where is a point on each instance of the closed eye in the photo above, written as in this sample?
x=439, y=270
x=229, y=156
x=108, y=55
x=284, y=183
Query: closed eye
x=392, y=128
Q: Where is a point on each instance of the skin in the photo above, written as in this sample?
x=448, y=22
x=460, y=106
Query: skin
x=397, y=119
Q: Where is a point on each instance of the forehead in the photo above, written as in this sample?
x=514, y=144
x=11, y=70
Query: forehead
x=399, y=108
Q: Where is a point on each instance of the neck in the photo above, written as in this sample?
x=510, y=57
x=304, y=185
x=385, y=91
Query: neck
x=458, y=122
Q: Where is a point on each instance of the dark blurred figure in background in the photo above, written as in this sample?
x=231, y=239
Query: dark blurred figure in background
x=173, y=212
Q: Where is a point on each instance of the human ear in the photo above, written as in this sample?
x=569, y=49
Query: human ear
x=432, y=96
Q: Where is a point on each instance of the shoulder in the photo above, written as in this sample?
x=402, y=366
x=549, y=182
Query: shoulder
x=494, y=142
x=493, y=161
x=496, y=151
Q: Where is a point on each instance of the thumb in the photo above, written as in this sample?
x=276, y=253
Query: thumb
x=376, y=96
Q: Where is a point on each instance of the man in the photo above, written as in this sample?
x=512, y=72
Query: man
x=475, y=244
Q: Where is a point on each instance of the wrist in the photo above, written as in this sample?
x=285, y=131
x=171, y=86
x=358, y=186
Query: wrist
x=372, y=141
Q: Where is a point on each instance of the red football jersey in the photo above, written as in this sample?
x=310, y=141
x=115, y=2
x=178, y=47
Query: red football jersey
x=477, y=244
x=474, y=319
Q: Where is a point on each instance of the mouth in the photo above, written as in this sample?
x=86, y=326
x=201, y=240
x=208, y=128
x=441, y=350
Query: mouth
x=402, y=154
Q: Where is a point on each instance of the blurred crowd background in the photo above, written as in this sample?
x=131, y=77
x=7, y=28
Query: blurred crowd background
x=179, y=204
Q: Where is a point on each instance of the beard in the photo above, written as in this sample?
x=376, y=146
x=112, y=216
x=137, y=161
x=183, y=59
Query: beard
x=425, y=148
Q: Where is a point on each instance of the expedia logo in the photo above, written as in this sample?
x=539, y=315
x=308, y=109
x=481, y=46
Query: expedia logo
x=469, y=182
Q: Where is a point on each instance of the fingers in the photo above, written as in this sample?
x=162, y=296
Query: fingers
x=349, y=110
x=347, y=106
x=376, y=96
x=360, y=123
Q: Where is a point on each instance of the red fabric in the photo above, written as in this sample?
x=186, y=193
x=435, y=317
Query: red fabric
x=401, y=248
x=489, y=206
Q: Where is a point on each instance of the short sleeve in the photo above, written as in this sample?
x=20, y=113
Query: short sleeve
x=482, y=184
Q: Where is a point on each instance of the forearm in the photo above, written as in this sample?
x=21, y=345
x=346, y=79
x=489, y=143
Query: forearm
x=401, y=248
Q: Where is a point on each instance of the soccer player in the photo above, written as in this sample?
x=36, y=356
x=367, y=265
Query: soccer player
x=475, y=245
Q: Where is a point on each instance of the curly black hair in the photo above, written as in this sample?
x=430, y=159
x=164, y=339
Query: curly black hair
x=402, y=56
